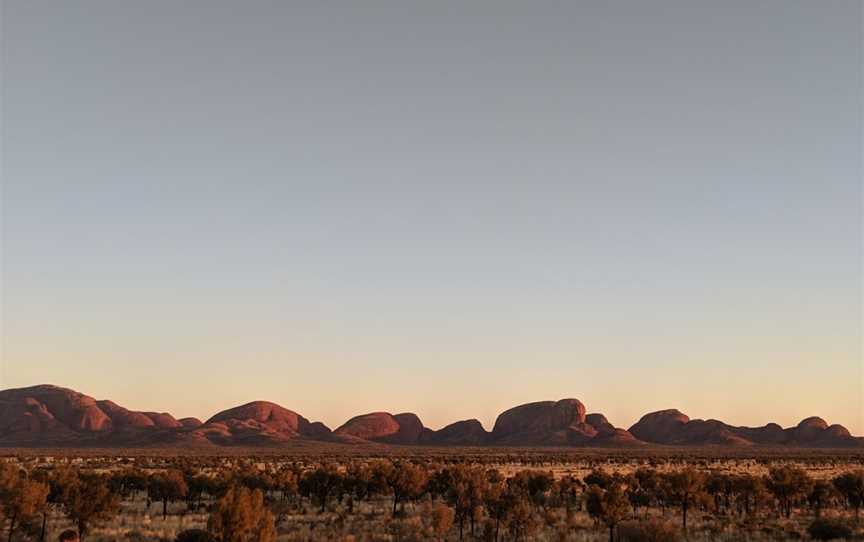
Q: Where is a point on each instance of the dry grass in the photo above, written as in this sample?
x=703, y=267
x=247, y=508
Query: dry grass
x=371, y=520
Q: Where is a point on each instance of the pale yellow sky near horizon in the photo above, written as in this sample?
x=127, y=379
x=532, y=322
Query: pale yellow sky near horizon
x=438, y=399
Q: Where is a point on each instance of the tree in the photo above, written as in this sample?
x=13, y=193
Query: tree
x=599, y=478
x=719, y=486
x=128, y=482
x=820, y=494
x=788, y=484
x=242, y=516
x=441, y=520
x=498, y=500
x=198, y=484
x=168, y=486
x=520, y=518
x=22, y=499
x=406, y=480
x=319, y=484
x=569, y=488
x=648, y=482
x=89, y=500
x=60, y=480
x=537, y=485
x=357, y=483
x=464, y=488
x=607, y=505
x=851, y=486
x=685, y=487
x=750, y=491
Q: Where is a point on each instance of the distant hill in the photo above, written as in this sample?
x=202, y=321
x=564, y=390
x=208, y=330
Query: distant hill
x=51, y=416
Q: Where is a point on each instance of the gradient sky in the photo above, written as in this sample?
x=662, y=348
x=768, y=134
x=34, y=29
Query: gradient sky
x=449, y=208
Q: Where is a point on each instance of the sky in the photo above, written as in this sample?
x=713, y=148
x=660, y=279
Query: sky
x=448, y=208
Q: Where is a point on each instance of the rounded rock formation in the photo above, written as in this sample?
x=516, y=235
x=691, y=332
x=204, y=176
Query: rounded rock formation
x=384, y=427
x=543, y=422
x=661, y=427
x=462, y=433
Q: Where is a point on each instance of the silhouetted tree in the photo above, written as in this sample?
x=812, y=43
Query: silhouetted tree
x=168, y=486
x=788, y=484
x=21, y=499
x=607, y=505
x=406, y=480
x=851, y=486
x=685, y=487
x=320, y=484
x=820, y=494
x=89, y=500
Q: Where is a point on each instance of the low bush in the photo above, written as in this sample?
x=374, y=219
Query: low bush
x=829, y=529
x=651, y=530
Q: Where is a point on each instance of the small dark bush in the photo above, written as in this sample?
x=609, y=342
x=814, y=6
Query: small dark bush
x=195, y=535
x=829, y=529
x=652, y=530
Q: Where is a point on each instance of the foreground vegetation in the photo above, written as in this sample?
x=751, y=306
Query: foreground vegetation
x=435, y=497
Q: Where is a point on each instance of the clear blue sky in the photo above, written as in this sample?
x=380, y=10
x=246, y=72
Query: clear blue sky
x=450, y=208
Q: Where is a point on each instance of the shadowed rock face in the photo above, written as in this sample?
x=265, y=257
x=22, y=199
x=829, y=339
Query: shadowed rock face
x=543, y=422
x=607, y=434
x=463, y=433
x=121, y=417
x=674, y=428
x=50, y=413
x=53, y=416
x=259, y=422
x=383, y=427
x=661, y=427
x=190, y=423
x=557, y=423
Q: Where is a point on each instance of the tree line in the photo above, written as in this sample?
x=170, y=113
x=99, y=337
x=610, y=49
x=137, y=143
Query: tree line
x=468, y=501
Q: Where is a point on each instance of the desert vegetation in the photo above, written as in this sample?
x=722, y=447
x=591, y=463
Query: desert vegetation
x=495, y=497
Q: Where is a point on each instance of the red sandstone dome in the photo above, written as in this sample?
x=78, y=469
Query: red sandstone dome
x=546, y=421
x=259, y=422
x=661, y=427
x=673, y=427
x=383, y=427
x=122, y=417
x=42, y=410
x=52, y=416
x=190, y=422
x=462, y=433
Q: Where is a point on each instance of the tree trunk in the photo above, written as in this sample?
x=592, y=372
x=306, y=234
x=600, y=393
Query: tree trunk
x=44, y=525
x=611, y=533
x=12, y=521
x=684, y=515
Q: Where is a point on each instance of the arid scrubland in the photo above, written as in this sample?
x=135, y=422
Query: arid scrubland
x=491, y=496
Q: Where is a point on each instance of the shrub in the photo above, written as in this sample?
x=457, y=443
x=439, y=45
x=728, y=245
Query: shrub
x=652, y=530
x=194, y=535
x=829, y=529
